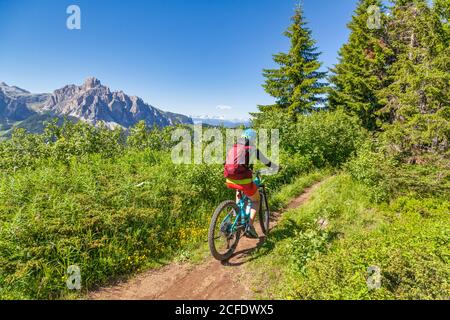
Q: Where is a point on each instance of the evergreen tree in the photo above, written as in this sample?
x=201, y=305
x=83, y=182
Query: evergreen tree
x=420, y=74
x=362, y=68
x=296, y=85
x=418, y=97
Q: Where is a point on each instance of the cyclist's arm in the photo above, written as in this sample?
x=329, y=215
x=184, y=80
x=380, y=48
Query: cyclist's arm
x=261, y=157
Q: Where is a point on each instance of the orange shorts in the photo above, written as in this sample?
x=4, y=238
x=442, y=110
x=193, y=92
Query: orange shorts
x=248, y=189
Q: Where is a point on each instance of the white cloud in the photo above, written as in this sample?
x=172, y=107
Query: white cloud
x=223, y=107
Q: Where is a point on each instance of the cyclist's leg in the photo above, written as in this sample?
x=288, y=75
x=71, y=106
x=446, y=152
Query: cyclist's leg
x=254, y=195
x=251, y=191
x=237, y=188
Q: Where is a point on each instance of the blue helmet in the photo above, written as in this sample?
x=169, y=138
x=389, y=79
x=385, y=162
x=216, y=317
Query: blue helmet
x=249, y=134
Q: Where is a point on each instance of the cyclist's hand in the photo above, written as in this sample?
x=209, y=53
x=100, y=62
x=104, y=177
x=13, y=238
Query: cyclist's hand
x=275, y=168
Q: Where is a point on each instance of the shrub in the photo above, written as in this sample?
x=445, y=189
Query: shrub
x=327, y=138
x=388, y=177
x=141, y=137
x=419, y=135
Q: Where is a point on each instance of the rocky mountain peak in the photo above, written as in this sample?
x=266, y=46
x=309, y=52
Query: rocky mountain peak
x=91, y=102
x=91, y=83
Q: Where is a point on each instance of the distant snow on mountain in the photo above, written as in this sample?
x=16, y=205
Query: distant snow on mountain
x=224, y=107
x=220, y=121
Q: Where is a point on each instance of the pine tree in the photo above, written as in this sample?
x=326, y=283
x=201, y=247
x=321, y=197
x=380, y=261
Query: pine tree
x=418, y=97
x=362, y=69
x=296, y=85
x=421, y=71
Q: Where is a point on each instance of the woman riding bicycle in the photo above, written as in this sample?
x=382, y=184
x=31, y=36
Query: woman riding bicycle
x=239, y=175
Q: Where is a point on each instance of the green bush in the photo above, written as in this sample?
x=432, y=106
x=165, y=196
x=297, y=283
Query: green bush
x=60, y=144
x=419, y=135
x=327, y=138
x=388, y=177
x=372, y=168
x=142, y=137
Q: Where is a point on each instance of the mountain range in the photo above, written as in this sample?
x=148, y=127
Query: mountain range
x=91, y=102
x=218, y=121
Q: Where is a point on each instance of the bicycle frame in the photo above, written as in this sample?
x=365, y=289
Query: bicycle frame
x=236, y=221
x=242, y=216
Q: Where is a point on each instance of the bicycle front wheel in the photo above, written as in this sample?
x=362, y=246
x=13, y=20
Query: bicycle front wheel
x=222, y=239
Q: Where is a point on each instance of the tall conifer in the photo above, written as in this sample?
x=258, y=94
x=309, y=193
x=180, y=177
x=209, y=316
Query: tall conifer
x=296, y=84
x=362, y=68
x=417, y=101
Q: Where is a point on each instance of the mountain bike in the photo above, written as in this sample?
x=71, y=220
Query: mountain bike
x=230, y=219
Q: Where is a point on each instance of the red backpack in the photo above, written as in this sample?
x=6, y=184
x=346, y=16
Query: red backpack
x=236, y=165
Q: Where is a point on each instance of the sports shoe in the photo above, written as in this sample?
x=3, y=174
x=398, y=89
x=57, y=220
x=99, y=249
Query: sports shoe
x=251, y=232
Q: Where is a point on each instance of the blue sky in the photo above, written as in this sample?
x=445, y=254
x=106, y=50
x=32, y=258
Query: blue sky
x=183, y=56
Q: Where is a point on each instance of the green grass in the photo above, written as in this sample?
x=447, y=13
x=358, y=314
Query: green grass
x=407, y=239
x=281, y=198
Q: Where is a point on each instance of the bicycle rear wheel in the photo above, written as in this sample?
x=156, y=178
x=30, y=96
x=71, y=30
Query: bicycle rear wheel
x=264, y=212
x=221, y=239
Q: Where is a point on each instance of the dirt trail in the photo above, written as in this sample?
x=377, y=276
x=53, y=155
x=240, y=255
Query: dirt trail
x=211, y=279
